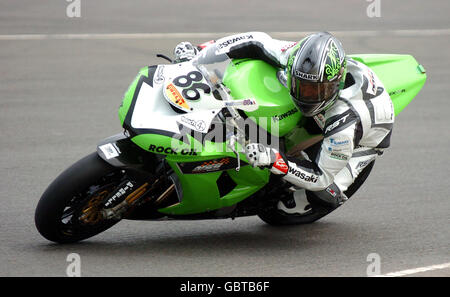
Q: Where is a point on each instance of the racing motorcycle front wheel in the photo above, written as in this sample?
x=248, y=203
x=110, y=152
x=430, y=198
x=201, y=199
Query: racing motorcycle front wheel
x=69, y=209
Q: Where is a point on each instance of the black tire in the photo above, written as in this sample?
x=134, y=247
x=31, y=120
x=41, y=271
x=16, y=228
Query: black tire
x=66, y=196
x=273, y=216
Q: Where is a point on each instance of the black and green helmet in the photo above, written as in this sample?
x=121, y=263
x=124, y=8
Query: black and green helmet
x=317, y=68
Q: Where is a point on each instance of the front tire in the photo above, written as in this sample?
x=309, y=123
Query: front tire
x=73, y=195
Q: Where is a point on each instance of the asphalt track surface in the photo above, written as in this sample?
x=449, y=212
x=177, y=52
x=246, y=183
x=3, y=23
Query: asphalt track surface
x=59, y=96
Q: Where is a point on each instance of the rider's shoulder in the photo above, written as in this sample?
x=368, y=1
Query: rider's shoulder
x=360, y=78
x=339, y=107
x=361, y=71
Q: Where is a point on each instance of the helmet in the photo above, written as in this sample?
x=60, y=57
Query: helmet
x=316, y=67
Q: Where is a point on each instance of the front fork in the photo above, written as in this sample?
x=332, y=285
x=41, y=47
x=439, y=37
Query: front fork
x=135, y=198
x=148, y=174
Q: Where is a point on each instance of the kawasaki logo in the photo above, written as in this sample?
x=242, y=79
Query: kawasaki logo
x=285, y=115
x=234, y=40
x=308, y=178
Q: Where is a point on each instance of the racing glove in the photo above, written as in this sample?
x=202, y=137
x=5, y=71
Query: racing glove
x=184, y=51
x=265, y=157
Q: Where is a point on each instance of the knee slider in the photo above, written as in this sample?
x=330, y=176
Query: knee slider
x=330, y=198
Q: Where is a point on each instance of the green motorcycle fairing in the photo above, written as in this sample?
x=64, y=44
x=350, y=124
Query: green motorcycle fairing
x=204, y=191
x=402, y=76
x=258, y=79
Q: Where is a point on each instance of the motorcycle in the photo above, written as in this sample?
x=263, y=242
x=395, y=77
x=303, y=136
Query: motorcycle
x=181, y=154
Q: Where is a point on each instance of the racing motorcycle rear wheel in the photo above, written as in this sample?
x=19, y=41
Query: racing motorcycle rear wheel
x=276, y=217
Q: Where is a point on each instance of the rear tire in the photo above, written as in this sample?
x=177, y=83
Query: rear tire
x=58, y=211
x=273, y=216
x=276, y=217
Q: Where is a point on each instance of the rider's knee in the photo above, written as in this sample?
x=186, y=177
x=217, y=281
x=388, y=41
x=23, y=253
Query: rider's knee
x=329, y=198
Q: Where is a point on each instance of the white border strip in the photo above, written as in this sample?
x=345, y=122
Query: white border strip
x=106, y=36
x=415, y=270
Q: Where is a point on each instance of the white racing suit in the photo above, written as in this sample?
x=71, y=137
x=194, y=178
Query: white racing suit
x=356, y=129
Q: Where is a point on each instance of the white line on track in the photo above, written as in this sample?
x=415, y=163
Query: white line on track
x=415, y=270
x=99, y=36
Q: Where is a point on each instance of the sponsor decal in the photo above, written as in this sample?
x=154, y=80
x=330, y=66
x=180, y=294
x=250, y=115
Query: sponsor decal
x=339, y=156
x=109, y=150
x=338, y=145
x=175, y=96
x=122, y=191
x=199, y=125
x=245, y=102
x=336, y=124
x=172, y=151
x=159, y=77
x=335, y=142
x=280, y=164
x=397, y=92
x=285, y=115
x=234, y=40
x=286, y=47
x=371, y=88
x=249, y=102
x=209, y=166
x=306, y=75
x=363, y=164
x=301, y=175
x=331, y=192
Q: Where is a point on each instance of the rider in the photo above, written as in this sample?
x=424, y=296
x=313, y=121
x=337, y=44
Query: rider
x=344, y=97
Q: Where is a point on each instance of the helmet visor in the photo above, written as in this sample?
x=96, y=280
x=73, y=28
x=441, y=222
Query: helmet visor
x=313, y=92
